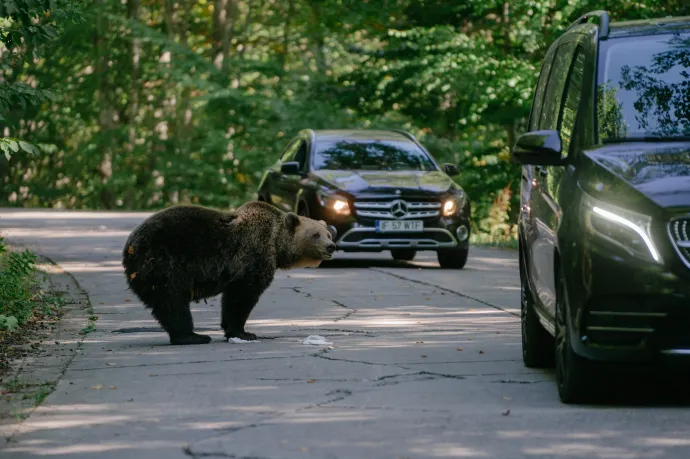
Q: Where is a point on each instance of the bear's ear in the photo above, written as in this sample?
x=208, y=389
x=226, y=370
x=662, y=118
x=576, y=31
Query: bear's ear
x=291, y=220
x=323, y=223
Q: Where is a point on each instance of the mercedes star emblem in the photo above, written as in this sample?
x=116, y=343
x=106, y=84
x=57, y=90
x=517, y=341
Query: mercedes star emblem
x=399, y=209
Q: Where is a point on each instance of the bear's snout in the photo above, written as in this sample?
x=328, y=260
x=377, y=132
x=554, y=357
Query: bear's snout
x=330, y=248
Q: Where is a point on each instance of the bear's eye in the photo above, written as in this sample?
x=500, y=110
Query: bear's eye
x=316, y=236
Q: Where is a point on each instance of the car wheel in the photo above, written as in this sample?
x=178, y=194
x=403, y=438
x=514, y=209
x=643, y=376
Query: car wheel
x=403, y=254
x=453, y=258
x=574, y=374
x=537, y=343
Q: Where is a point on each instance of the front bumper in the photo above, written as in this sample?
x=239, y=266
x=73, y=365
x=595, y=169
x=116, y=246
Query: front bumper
x=365, y=238
x=357, y=231
x=628, y=310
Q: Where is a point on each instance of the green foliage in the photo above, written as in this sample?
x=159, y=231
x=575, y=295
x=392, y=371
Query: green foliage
x=27, y=30
x=17, y=271
x=140, y=105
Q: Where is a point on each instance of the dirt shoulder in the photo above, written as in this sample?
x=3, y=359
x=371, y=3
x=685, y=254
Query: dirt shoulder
x=34, y=358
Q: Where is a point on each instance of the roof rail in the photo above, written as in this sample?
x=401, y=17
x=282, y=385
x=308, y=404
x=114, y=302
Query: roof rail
x=602, y=21
x=405, y=133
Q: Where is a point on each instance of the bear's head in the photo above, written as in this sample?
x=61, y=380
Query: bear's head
x=312, y=240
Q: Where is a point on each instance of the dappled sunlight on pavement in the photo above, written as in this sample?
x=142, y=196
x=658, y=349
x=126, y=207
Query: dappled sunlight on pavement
x=424, y=362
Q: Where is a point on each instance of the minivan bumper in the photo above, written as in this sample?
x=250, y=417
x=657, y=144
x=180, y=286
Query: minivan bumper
x=628, y=310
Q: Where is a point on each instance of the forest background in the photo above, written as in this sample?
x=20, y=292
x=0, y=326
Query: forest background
x=141, y=104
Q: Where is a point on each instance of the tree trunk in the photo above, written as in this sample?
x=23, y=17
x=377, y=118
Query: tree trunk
x=286, y=34
x=318, y=39
x=251, y=8
x=224, y=17
x=143, y=175
x=133, y=7
x=105, y=168
x=506, y=28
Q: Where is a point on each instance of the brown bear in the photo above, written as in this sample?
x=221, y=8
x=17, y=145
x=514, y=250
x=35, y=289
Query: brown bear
x=190, y=253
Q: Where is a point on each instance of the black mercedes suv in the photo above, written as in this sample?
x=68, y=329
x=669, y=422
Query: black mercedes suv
x=604, y=224
x=380, y=189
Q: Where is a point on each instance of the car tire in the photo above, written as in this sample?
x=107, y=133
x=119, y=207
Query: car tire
x=538, y=345
x=576, y=378
x=403, y=254
x=453, y=258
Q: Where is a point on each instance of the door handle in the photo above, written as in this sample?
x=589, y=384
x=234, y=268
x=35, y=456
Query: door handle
x=542, y=171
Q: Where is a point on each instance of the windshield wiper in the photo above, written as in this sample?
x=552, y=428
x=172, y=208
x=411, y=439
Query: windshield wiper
x=649, y=138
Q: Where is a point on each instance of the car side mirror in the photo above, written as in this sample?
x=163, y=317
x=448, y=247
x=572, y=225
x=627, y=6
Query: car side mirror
x=450, y=169
x=333, y=231
x=290, y=168
x=539, y=148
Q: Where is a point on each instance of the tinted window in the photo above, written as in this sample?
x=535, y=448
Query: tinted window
x=572, y=99
x=301, y=155
x=386, y=155
x=642, y=87
x=290, y=151
x=539, y=92
x=548, y=118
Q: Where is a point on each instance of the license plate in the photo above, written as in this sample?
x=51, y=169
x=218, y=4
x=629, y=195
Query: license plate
x=399, y=226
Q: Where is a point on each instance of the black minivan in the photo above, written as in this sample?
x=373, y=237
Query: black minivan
x=604, y=224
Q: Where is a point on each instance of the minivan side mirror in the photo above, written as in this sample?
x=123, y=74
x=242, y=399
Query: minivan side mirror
x=450, y=169
x=539, y=148
x=290, y=168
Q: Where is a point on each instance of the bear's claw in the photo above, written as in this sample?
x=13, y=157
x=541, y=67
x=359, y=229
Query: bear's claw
x=241, y=335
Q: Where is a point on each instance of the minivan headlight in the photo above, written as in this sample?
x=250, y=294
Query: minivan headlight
x=624, y=228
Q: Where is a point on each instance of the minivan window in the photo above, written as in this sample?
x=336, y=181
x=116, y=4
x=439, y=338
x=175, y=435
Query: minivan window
x=554, y=91
x=642, y=87
x=572, y=100
x=386, y=155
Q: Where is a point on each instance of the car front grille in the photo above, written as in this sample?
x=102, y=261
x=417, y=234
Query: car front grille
x=679, y=230
x=397, y=209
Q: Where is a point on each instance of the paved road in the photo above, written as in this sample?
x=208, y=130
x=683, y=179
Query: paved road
x=425, y=363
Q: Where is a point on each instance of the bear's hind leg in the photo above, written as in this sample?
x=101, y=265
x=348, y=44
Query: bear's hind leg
x=176, y=319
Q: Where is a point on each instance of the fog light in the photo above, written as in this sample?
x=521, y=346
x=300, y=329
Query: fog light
x=462, y=232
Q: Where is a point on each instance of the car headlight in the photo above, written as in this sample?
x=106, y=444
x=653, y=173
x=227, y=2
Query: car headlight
x=335, y=202
x=452, y=205
x=624, y=228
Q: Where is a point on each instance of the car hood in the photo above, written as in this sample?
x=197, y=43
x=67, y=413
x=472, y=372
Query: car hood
x=384, y=181
x=661, y=172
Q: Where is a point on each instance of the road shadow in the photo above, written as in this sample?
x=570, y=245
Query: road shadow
x=634, y=386
x=343, y=263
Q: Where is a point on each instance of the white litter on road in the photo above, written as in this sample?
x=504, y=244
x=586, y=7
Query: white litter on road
x=316, y=339
x=240, y=340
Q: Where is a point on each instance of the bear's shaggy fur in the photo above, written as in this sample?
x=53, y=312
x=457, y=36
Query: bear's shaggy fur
x=189, y=253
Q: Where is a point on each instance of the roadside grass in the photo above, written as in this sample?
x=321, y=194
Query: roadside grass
x=25, y=308
x=484, y=240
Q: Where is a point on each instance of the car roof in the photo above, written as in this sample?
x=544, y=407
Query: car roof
x=360, y=135
x=649, y=26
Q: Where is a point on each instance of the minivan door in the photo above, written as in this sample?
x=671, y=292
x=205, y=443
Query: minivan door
x=545, y=210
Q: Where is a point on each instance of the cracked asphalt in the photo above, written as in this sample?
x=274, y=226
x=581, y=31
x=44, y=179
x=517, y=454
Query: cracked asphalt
x=425, y=363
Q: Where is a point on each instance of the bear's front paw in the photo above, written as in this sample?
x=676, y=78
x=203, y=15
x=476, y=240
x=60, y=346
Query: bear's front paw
x=241, y=335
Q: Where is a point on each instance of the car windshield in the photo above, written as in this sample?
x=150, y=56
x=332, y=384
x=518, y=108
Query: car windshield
x=386, y=155
x=643, y=90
